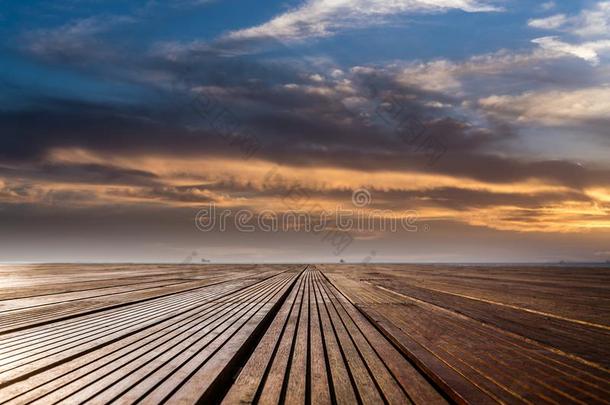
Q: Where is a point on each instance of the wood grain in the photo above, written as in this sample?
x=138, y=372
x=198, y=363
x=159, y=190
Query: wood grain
x=304, y=334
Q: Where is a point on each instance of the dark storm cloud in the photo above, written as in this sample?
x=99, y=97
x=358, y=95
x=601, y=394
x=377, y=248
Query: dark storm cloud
x=384, y=199
x=186, y=194
x=293, y=138
x=89, y=173
x=27, y=135
x=462, y=199
x=78, y=42
x=305, y=124
x=499, y=169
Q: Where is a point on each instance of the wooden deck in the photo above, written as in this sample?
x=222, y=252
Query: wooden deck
x=322, y=334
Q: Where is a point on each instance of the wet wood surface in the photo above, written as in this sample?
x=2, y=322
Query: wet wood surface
x=323, y=334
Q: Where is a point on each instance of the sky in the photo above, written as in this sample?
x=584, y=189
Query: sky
x=484, y=122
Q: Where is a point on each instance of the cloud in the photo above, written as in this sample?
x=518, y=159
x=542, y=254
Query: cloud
x=593, y=22
x=527, y=206
x=77, y=41
x=553, y=107
x=305, y=112
x=588, y=51
x=449, y=76
x=96, y=154
x=86, y=173
x=548, y=23
x=321, y=18
x=138, y=167
x=591, y=25
x=281, y=117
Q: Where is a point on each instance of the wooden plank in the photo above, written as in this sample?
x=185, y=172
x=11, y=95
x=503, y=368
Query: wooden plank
x=272, y=389
x=54, y=299
x=51, y=313
x=195, y=379
x=584, y=292
x=297, y=390
x=69, y=377
x=577, y=339
x=397, y=378
x=110, y=326
x=22, y=281
x=253, y=376
x=140, y=376
x=343, y=390
x=353, y=334
x=50, y=289
x=367, y=387
x=384, y=381
x=298, y=365
x=45, y=335
x=457, y=386
x=487, y=356
x=320, y=390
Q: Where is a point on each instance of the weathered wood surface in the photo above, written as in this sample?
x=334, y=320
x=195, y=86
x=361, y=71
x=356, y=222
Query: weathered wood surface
x=143, y=348
x=519, y=335
x=320, y=348
x=323, y=334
